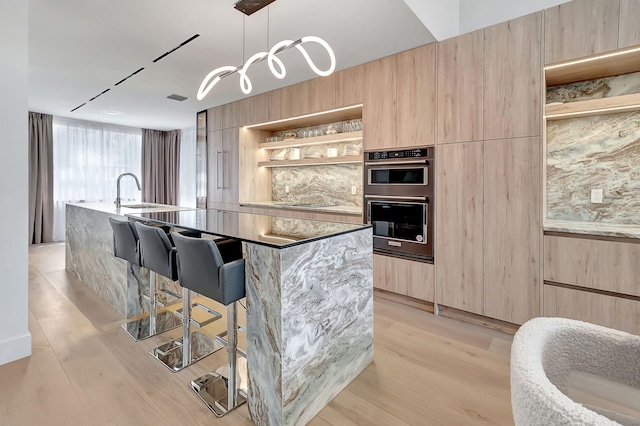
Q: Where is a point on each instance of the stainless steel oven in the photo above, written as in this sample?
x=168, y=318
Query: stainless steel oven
x=398, y=191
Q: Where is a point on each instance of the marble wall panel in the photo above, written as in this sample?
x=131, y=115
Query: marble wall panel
x=608, y=87
x=594, y=152
x=310, y=324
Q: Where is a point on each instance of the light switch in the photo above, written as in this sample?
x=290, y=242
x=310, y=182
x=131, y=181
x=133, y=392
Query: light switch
x=353, y=190
x=596, y=196
x=286, y=189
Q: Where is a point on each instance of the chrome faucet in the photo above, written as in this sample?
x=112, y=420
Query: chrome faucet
x=118, y=186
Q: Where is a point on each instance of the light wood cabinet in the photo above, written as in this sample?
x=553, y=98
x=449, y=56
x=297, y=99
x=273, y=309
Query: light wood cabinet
x=402, y=276
x=262, y=108
x=512, y=229
x=349, y=86
x=460, y=88
x=214, y=119
x=459, y=226
x=379, y=111
x=609, y=311
x=223, y=182
x=323, y=93
x=295, y=99
x=238, y=113
x=415, y=96
x=596, y=264
x=512, y=91
x=629, y=28
x=580, y=28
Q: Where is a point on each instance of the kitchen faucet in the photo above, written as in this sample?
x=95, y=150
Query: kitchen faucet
x=118, y=186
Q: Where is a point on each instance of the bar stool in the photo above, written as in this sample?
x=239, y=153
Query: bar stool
x=159, y=255
x=216, y=270
x=126, y=246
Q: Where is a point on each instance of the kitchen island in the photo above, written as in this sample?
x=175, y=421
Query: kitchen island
x=309, y=306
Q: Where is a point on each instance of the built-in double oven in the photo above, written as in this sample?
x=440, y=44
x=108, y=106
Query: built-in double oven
x=399, y=202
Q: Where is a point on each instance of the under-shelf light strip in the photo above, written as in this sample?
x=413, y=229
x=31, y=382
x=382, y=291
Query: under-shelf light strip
x=302, y=143
x=594, y=111
x=595, y=58
x=314, y=114
x=314, y=164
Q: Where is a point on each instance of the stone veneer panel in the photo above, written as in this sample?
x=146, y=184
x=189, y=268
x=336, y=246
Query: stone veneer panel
x=608, y=87
x=303, y=349
x=594, y=152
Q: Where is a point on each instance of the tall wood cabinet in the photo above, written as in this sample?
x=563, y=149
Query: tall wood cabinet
x=629, y=30
x=379, y=111
x=224, y=156
x=460, y=88
x=512, y=78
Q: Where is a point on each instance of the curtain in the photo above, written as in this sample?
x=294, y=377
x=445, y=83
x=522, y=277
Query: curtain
x=88, y=157
x=40, y=178
x=187, y=180
x=160, y=166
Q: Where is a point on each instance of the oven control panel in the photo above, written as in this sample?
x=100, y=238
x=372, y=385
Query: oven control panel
x=405, y=153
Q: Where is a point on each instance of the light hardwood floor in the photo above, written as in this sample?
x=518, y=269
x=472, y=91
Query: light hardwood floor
x=84, y=370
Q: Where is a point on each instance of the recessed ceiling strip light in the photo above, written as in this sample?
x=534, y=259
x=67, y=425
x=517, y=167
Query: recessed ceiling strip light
x=275, y=65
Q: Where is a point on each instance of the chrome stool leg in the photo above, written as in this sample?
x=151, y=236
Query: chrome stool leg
x=226, y=388
x=156, y=322
x=192, y=346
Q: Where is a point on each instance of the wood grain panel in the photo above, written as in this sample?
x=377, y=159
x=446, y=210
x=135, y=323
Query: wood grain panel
x=402, y=276
x=603, y=265
x=262, y=108
x=415, y=96
x=580, y=28
x=379, y=111
x=295, y=99
x=512, y=231
x=323, y=93
x=614, y=105
x=608, y=311
x=214, y=119
x=459, y=226
x=243, y=112
x=231, y=168
x=460, y=88
x=255, y=182
x=629, y=24
x=214, y=168
x=512, y=79
x=350, y=86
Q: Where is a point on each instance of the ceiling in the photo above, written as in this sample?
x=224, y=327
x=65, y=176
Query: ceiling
x=79, y=48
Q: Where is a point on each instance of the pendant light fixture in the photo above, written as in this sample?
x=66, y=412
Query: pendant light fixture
x=276, y=66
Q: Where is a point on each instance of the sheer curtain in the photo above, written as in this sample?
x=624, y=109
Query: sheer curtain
x=187, y=179
x=88, y=157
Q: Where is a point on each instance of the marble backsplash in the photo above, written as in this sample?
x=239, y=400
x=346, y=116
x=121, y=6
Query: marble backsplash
x=598, y=152
x=607, y=87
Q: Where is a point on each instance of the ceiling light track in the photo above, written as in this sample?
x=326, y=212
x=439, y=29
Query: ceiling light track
x=78, y=107
x=275, y=65
x=189, y=40
x=129, y=76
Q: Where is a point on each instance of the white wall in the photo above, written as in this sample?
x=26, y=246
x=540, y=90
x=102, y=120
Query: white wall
x=15, y=340
x=476, y=14
x=441, y=17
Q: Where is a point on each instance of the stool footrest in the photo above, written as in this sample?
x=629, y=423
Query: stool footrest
x=220, y=338
x=170, y=353
x=215, y=315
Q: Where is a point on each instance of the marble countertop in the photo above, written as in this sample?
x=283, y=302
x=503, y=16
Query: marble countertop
x=350, y=210
x=123, y=210
x=592, y=228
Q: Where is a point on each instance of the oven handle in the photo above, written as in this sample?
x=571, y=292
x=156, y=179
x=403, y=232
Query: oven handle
x=395, y=197
x=392, y=163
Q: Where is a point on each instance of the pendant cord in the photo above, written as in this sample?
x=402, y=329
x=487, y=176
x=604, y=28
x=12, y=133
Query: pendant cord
x=268, y=20
x=244, y=35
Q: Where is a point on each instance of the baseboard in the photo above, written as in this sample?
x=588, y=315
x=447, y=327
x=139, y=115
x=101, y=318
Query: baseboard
x=495, y=324
x=15, y=349
x=405, y=300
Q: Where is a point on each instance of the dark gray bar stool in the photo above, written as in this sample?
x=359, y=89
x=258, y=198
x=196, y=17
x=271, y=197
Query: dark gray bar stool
x=216, y=270
x=160, y=256
x=126, y=246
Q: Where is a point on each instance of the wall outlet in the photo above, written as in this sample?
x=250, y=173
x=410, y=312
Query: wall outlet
x=286, y=189
x=596, y=196
x=353, y=190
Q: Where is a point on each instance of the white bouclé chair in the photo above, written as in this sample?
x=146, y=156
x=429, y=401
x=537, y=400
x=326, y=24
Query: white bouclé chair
x=543, y=354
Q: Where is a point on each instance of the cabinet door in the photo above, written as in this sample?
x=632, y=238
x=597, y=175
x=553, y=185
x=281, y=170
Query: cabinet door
x=262, y=108
x=580, y=28
x=629, y=30
x=295, y=99
x=402, y=276
x=215, y=168
x=379, y=111
x=415, y=96
x=230, y=168
x=323, y=93
x=350, y=86
x=512, y=79
x=458, y=251
x=460, y=88
x=512, y=230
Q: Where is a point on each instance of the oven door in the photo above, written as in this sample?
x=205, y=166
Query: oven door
x=401, y=226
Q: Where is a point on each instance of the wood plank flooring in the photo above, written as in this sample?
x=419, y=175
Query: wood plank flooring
x=85, y=370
